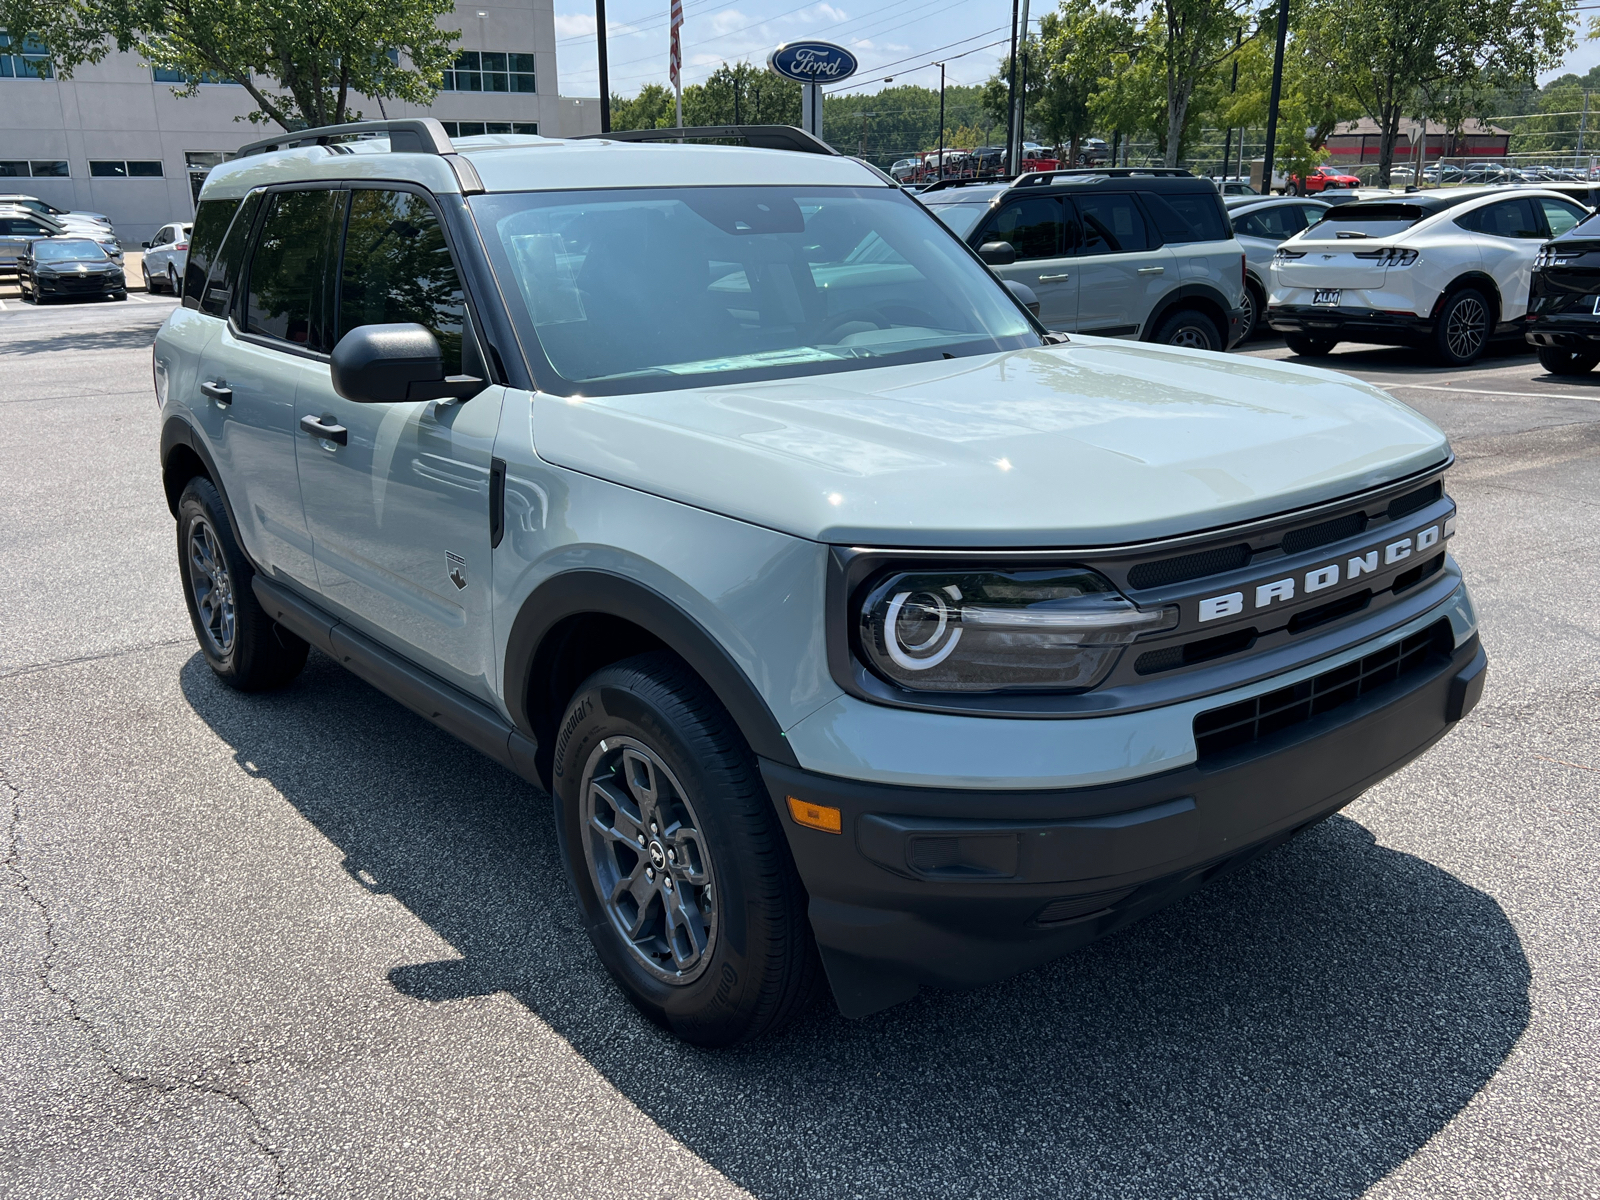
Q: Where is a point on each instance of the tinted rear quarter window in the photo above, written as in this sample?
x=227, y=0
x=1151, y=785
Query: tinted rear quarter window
x=1111, y=224
x=397, y=268
x=288, y=269
x=222, y=278
x=210, y=224
x=1507, y=218
x=1188, y=216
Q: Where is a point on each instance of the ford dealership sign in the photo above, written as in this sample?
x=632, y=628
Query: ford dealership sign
x=813, y=62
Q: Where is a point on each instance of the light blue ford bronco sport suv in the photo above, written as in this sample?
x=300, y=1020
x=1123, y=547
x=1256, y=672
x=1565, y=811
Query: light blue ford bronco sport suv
x=866, y=635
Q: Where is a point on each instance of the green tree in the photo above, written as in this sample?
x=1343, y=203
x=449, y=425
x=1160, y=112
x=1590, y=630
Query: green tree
x=652, y=108
x=320, y=54
x=1441, y=58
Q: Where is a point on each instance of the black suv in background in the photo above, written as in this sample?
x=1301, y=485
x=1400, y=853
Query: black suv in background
x=1563, y=319
x=1119, y=252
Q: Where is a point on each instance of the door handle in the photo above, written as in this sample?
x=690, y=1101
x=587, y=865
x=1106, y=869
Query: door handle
x=218, y=391
x=332, y=433
x=1151, y=270
x=1055, y=278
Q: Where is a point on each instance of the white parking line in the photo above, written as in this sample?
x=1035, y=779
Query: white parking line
x=2, y=306
x=1435, y=387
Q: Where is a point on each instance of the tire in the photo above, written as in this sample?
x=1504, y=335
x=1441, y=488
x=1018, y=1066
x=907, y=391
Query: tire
x=244, y=646
x=119, y=295
x=1292, y=190
x=646, y=749
x=1462, y=331
x=1308, y=346
x=173, y=285
x=1191, y=328
x=1566, y=362
x=1255, y=306
x=145, y=271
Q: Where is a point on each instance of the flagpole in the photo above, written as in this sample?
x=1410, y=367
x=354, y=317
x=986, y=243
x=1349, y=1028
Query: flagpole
x=677, y=57
x=605, y=82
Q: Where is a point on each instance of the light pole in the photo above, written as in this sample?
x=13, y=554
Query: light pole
x=941, y=121
x=1011, y=94
x=1277, y=93
x=1019, y=94
x=605, y=75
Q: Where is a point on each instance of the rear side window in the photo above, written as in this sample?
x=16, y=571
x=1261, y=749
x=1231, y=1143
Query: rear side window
x=1032, y=226
x=1367, y=221
x=1188, y=216
x=210, y=224
x=228, y=264
x=288, y=269
x=1506, y=218
x=397, y=268
x=1111, y=224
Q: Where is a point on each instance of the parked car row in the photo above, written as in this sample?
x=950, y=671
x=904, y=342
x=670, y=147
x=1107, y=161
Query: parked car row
x=20, y=225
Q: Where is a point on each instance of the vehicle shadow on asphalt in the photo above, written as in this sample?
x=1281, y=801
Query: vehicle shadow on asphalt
x=76, y=338
x=1299, y=1028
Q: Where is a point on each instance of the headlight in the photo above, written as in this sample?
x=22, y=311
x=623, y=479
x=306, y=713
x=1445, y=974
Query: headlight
x=1056, y=629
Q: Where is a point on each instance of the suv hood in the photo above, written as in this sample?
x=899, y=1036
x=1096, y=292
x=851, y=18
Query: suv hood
x=1090, y=443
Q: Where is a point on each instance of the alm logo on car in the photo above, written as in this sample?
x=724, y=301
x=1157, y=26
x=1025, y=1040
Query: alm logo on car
x=812, y=62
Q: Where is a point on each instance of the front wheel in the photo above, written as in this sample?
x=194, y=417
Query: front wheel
x=173, y=284
x=1253, y=307
x=1463, y=328
x=1191, y=329
x=1566, y=362
x=246, y=648
x=1307, y=346
x=1292, y=190
x=674, y=849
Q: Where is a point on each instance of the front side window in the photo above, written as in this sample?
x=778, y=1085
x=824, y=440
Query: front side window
x=1112, y=224
x=397, y=268
x=1032, y=226
x=1560, y=216
x=288, y=269
x=652, y=289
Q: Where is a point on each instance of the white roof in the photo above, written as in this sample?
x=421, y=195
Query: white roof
x=520, y=163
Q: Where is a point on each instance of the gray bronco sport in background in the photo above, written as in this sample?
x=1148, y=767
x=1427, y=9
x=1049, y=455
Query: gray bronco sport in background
x=1143, y=253
x=865, y=634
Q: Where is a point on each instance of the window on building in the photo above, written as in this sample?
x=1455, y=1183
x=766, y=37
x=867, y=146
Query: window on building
x=490, y=71
x=22, y=169
x=199, y=164
x=133, y=168
x=27, y=59
x=457, y=129
x=168, y=75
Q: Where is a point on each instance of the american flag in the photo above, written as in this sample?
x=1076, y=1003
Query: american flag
x=677, y=51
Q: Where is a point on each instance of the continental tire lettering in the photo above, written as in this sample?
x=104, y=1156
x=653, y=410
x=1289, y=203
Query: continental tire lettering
x=725, y=986
x=576, y=718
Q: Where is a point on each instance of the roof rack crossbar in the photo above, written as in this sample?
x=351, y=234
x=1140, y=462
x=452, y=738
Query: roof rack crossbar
x=1038, y=178
x=762, y=137
x=407, y=135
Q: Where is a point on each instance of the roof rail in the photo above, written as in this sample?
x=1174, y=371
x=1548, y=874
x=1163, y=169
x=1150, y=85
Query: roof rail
x=1038, y=178
x=408, y=135
x=763, y=137
x=939, y=185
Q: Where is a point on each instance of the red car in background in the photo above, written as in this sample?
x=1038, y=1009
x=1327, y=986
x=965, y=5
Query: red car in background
x=1321, y=180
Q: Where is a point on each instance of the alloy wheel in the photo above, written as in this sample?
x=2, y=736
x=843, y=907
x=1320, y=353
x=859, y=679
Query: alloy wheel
x=648, y=860
x=212, y=585
x=1466, y=326
x=1191, y=337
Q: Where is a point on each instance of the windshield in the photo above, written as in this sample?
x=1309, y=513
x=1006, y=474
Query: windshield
x=649, y=289
x=68, y=251
x=962, y=218
x=1365, y=221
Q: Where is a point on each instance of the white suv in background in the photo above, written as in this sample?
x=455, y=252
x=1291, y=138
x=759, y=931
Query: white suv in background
x=1446, y=270
x=165, y=256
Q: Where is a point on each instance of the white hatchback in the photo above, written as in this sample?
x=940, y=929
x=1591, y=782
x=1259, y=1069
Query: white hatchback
x=1446, y=270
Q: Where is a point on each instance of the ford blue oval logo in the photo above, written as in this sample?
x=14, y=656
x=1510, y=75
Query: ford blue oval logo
x=813, y=62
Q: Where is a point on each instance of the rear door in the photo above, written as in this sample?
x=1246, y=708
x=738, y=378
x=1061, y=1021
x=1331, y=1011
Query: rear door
x=1034, y=226
x=1194, y=225
x=1122, y=271
x=1508, y=234
x=399, y=507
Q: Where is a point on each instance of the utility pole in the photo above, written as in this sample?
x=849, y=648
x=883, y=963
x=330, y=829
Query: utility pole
x=1277, y=94
x=1012, y=85
x=941, y=120
x=1019, y=95
x=605, y=74
x=1227, y=143
x=736, y=120
x=1583, y=122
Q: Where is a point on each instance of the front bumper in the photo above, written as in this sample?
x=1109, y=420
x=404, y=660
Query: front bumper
x=1350, y=324
x=919, y=888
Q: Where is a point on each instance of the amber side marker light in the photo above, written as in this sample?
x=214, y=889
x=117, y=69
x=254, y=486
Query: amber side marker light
x=815, y=816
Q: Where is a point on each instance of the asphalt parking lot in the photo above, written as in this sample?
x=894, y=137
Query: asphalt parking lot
x=306, y=945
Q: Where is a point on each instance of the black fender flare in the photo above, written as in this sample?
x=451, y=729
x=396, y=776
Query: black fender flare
x=1175, y=299
x=179, y=432
x=585, y=592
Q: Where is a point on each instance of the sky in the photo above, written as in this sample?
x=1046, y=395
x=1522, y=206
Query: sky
x=889, y=37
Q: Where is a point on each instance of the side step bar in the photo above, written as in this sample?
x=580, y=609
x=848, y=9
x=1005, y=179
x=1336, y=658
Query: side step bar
x=452, y=710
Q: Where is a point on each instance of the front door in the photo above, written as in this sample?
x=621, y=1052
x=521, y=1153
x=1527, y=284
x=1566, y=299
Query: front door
x=399, y=507
x=1033, y=227
x=1122, y=273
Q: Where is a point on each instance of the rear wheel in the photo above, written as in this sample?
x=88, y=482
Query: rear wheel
x=244, y=646
x=1566, y=362
x=1293, y=189
x=1309, y=346
x=1462, y=330
x=674, y=849
x=173, y=285
x=145, y=271
x=1254, y=306
x=1189, y=328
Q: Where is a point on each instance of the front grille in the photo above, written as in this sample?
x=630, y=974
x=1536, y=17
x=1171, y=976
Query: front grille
x=1185, y=567
x=1069, y=907
x=1297, y=541
x=1224, y=729
x=1204, y=650
x=1403, y=506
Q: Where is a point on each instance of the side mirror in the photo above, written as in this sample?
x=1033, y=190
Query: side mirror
x=385, y=364
x=998, y=254
x=1024, y=295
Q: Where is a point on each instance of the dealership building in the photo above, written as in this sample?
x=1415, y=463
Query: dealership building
x=114, y=139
